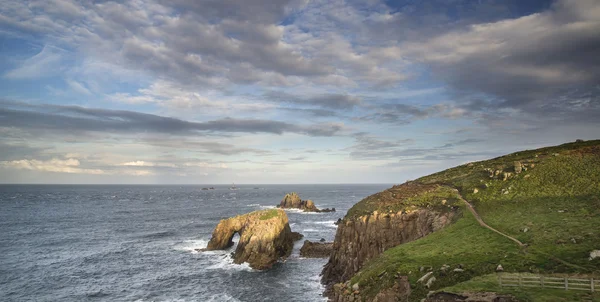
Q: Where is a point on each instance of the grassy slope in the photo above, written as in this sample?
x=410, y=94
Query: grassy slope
x=490, y=283
x=559, y=204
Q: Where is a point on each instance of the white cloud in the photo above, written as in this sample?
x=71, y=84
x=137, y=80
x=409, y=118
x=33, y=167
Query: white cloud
x=78, y=87
x=69, y=165
x=142, y=163
x=43, y=64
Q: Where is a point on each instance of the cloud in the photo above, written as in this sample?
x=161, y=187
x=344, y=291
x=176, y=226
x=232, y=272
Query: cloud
x=76, y=119
x=402, y=114
x=520, y=62
x=69, y=165
x=43, y=64
x=328, y=101
x=138, y=163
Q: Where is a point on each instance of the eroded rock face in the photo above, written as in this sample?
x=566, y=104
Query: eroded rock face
x=265, y=237
x=293, y=201
x=316, y=249
x=361, y=239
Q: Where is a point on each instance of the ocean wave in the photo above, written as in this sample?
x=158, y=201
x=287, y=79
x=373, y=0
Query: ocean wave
x=267, y=207
x=191, y=245
x=310, y=230
x=221, y=297
x=253, y=205
x=226, y=263
x=327, y=223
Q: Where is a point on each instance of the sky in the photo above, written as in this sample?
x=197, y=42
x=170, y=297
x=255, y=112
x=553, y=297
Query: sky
x=288, y=91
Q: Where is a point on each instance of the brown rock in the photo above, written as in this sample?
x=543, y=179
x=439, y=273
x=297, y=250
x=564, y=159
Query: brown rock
x=265, y=237
x=361, y=239
x=293, y=201
x=316, y=249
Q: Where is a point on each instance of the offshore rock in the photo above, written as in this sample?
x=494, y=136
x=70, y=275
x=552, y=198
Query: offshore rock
x=316, y=249
x=363, y=238
x=265, y=237
x=293, y=201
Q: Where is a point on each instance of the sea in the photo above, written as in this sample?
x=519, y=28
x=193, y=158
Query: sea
x=138, y=242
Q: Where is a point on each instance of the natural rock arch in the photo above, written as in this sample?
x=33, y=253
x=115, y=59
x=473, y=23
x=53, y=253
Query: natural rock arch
x=265, y=237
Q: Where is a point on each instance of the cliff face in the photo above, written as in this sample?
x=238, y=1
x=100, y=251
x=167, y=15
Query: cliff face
x=361, y=239
x=265, y=237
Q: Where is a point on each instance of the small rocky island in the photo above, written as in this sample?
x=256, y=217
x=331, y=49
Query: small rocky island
x=265, y=237
x=293, y=201
x=316, y=249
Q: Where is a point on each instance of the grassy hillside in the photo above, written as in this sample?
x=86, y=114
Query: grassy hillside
x=548, y=199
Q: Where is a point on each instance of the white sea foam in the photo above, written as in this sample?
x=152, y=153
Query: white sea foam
x=253, y=205
x=298, y=211
x=225, y=262
x=191, y=245
x=327, y=223
x=267, y=207
x=310, y=230
x=221, y=297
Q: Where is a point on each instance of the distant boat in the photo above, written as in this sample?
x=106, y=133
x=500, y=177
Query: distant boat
x=233, y=187
x=211, y=188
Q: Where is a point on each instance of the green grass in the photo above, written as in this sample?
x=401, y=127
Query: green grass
x=489, y=283
x=407, y=196
x=268, y=214
x=557, y=201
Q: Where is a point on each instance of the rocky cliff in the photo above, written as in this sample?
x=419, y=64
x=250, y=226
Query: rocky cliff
x=388, y=247
x=361, y=239
x=384, y=220
x=293, y=201
x=265, y=237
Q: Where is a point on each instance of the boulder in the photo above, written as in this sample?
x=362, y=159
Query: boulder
x=518, y=167
x=316, y=249
x=265, y=237
x=293, y=201
x=296, y=236
x=594, y=254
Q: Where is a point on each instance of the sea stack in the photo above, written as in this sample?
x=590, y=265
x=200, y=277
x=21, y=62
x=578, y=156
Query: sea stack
x=265, y=237
x=293, y=201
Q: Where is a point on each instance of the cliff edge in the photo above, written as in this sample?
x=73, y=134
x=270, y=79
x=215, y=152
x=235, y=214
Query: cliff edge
x=445, y=236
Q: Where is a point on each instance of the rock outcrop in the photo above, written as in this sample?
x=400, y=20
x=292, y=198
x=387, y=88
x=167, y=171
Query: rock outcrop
x=361, y=239
x=293, y=201
x=316, y=249
x=265, y=237
x=344, y=292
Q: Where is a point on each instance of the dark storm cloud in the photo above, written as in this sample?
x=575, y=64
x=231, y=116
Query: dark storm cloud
x=74, y=119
